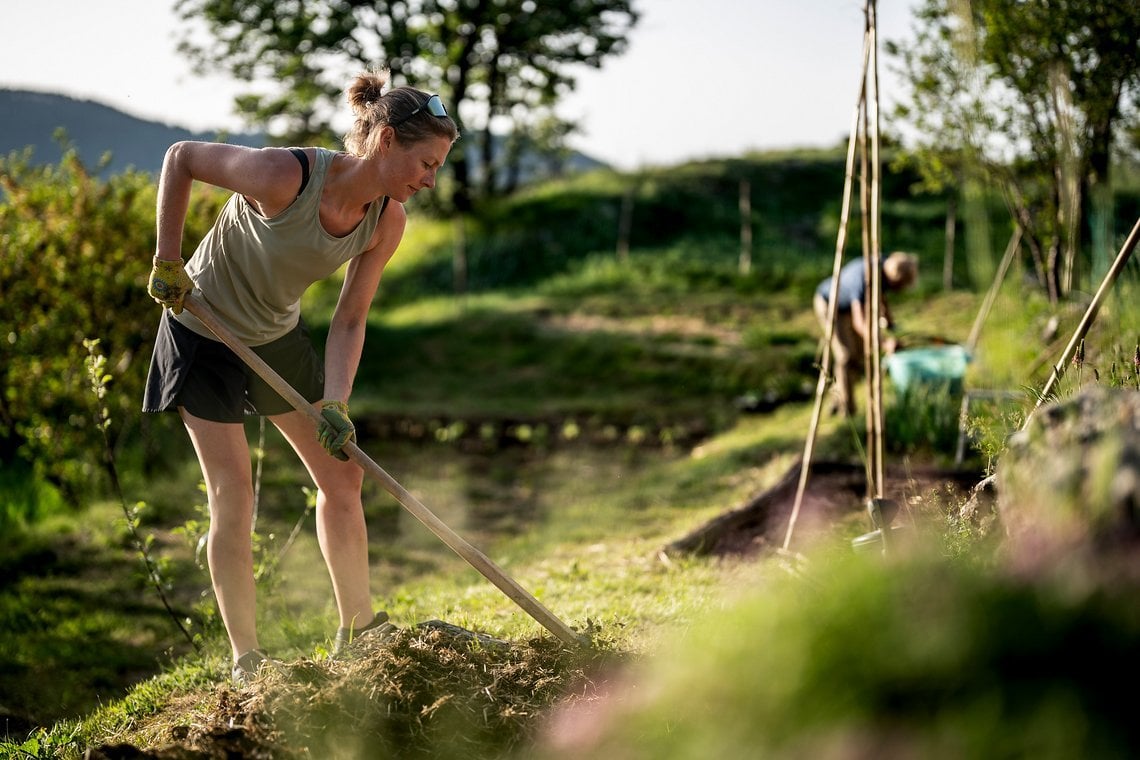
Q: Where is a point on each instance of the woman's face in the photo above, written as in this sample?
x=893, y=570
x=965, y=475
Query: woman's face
x=413, y=167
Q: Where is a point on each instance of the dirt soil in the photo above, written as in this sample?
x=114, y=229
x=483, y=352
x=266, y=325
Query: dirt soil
x=835, y=494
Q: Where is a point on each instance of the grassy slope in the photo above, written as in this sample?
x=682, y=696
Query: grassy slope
x=605, y=369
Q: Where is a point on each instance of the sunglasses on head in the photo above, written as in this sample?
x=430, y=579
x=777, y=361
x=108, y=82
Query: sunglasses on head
x=432, y=105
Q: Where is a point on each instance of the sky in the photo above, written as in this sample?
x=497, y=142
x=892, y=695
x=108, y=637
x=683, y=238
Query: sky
x=710, y=78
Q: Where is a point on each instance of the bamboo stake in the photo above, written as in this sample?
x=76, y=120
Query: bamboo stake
x=1087, y=319
x=875, y=369
x=865, y=207
x=492, y=572
x=840, y=244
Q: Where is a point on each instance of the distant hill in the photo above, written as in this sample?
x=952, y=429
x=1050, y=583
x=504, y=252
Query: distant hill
x=30, y=118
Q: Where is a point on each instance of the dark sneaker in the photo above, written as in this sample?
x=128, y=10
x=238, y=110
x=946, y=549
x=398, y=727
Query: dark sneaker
x=250, y=665
x=378, y=630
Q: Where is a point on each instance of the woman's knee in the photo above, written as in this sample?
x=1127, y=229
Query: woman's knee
x=343, y=484
x=340, y=502
x=231, y=504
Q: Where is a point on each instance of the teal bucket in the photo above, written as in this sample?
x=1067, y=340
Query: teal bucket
x=934, y=366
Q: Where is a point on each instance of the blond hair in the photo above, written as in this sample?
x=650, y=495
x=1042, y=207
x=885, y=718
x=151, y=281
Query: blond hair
x=900, y=270
x=374, y=109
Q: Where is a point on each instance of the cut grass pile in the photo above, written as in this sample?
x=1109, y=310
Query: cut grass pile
x=424, y=693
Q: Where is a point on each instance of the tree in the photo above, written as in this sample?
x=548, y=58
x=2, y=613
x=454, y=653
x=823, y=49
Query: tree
x=492, y=60
x=1029, y=93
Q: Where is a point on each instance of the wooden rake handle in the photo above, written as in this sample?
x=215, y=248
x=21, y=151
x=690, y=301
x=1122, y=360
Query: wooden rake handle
x=492, y=572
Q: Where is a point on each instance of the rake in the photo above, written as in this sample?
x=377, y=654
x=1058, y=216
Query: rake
x=492, y=572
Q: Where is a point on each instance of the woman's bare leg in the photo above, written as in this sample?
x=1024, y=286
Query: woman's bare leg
x=223, y=453
x=341, y=530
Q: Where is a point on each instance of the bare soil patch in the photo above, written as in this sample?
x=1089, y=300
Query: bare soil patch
x=835, y=492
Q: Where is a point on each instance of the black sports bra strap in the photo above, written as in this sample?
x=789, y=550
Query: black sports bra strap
x=304, y=161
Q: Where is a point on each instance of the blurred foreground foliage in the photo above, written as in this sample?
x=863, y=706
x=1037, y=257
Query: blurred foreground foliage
x=920, y=657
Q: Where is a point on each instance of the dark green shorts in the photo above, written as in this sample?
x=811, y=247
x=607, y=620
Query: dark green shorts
x=212, y=382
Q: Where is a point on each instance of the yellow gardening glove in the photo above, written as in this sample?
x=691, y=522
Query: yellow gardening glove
x=169, y=284
x=335, y=429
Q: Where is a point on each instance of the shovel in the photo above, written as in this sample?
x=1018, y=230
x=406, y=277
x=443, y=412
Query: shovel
x=492, y=572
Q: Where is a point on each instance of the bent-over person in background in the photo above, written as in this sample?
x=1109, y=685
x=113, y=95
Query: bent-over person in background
x=899, y=271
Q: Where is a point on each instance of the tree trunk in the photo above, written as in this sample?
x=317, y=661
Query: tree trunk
x=745, y=263
x=459, y=256
x=625, y=222
x=488, y=147
x=1097, y=219
x=460, y=167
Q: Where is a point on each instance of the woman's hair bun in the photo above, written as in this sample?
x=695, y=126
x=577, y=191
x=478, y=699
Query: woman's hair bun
x=366, y=90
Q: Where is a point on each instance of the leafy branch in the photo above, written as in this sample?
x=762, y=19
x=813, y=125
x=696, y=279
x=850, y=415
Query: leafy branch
x=96, y=370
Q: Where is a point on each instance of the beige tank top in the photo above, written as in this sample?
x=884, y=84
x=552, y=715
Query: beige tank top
x=252, y=270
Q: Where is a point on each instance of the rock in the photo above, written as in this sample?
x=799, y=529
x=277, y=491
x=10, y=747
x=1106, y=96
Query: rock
x=979, y=509
x=1070, y=481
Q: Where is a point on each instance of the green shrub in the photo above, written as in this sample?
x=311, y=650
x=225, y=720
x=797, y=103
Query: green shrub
x=25, y=498
x=76, y=258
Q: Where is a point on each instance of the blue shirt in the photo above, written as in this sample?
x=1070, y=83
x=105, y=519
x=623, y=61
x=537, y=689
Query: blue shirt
x=852, y=285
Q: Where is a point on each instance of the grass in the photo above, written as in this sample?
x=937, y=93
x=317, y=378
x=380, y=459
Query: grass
x=589, y=557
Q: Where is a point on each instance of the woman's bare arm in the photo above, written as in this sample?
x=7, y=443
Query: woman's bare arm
x=267, y=177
